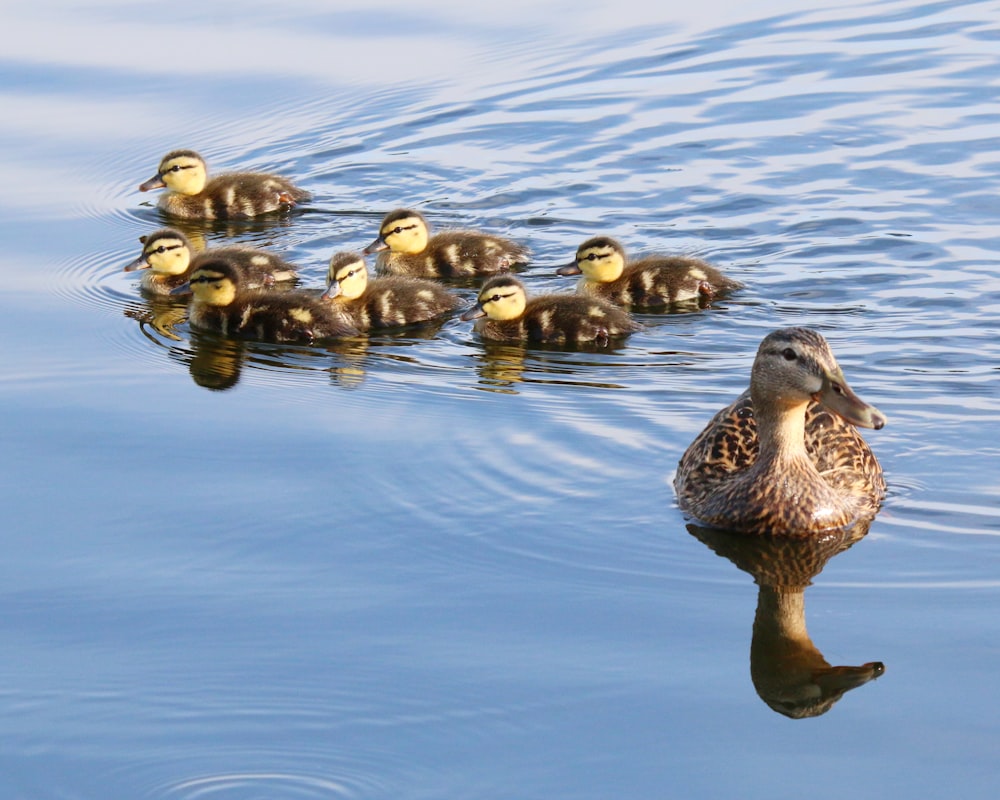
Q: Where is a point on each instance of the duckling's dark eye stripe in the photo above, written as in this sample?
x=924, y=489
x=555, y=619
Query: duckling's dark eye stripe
x=163, y=248
x=497, y=296
x=401, y=228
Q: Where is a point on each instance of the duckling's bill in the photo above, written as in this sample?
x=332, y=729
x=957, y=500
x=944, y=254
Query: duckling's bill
x=473, y=313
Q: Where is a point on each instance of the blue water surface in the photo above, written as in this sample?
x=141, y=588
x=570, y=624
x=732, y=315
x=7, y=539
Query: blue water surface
x=420, y=566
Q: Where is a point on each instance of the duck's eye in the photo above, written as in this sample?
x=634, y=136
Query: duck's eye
x=592, y=257
x=789, y=354
x=494, y=298
x=837, y=388
x=160, y=250
x=398, y=229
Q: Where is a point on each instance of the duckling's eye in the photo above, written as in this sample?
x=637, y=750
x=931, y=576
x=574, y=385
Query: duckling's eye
x=789, y=354
x=161, y=249
x=593, y=257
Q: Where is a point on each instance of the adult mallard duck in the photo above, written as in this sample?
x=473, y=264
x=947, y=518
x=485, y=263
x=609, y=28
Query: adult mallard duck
x=387, y=302
x=505, y=314
x=192, y=195
x=785, y=457
x=167, y=255
x=653, y=282
x=220, y=304
x=406, y=247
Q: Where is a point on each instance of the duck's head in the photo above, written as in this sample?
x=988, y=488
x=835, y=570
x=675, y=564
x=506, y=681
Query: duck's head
x=501, y=298
x=347, y=277
x=214, y=282
x=182, y=171
x=600, y=259
x=402, y=231
x=166, y=251
x=795, y=365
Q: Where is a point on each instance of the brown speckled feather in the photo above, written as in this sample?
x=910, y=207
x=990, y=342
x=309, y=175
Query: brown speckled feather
x=452, y=254
x=235, y=195
x=562, y=319
x=707, y=476
x=394, y=300
x=663, y=281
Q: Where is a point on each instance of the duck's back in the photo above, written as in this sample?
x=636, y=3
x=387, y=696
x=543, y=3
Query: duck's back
x=394, y=300
x=258, y=268
x=563, y=319
x=664, y=281
x=268, y=317
x=455, y=254
x=235, y=195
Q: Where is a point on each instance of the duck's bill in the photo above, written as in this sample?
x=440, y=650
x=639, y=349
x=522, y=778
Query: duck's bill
x=156, y=182
x=376, y=246
x=333, y=290
x=839, y=398
x=473, y=313
x=569, y=269
x=184, y=288
x=139, y=263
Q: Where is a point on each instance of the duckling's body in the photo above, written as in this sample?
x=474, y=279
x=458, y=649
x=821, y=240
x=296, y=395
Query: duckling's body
x=387, y=302
x=234, y=195
x=504, y=313
x=785, y=457
x=220, y=304
x=654, y=282
x=406, y=247
x=169, y=259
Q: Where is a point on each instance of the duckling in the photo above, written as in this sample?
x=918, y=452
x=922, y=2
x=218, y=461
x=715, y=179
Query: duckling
x=233, y=195
x=654, y=282
x=411, y=250
x=167, y=254
x=384, y=302
x=554, y=318
x=220, y=304
x=784, y=457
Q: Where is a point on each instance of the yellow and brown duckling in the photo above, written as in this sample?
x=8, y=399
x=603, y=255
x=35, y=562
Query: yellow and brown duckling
x=222, y=305
x=406, y=247
x=504, y=313
x=653, y=282
x=192, y=195
x=785, y=457
x=168, y=256
x=387, y=302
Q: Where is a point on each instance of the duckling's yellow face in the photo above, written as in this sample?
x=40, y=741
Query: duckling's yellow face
x=347, y=278
x=600, y=260
x=407, y=235
x=183, y=172
x=502, y=301
x=213, y=286
x=166, y=255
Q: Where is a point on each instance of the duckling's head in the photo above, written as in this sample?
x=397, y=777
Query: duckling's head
x=601, y=260
x=214, y=282
x=402, y=231
x=795, y=365
x=182, y=171
x=166, y=252
x=347, y=277
x=501, y=298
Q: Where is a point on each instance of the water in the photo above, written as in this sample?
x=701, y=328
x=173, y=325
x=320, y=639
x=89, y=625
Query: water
x=418, y=566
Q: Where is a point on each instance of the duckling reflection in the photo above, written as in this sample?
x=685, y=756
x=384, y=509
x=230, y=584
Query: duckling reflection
x=161, y=314
x=216, y=362
x=788, y=671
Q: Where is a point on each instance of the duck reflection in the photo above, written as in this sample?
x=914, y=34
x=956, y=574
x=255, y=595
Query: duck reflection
x=161, y=314
x=788, y=671
x=216, y=362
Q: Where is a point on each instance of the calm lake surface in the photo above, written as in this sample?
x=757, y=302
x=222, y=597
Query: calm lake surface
x=415, y=566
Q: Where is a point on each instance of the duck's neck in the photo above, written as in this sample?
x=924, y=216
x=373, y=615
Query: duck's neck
x=781, y=431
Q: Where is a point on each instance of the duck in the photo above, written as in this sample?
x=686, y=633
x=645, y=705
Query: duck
x=168, y=255
x=785, y=458
x=387, y=302
x=221, y=304
x=654, y=282
x=234, y=195
x=504, y=313
x=405, y=247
